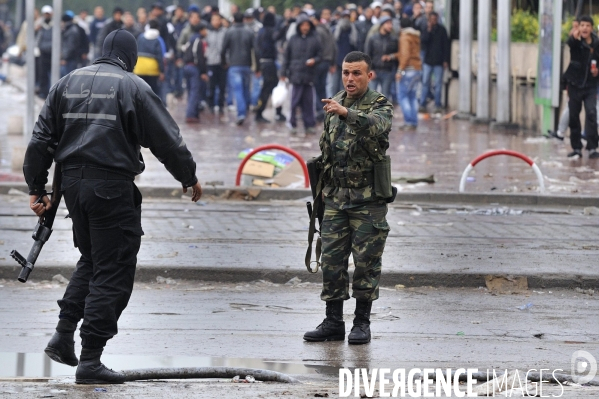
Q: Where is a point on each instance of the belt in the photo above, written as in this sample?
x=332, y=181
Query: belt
x=93, y=173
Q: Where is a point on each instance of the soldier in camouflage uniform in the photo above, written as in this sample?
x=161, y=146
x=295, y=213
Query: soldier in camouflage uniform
x=355, y=137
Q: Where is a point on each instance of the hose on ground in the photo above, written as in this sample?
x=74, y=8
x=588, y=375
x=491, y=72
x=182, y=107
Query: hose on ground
x=206, y=372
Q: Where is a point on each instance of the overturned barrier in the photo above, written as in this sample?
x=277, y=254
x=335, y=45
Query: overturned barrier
x=273, y=147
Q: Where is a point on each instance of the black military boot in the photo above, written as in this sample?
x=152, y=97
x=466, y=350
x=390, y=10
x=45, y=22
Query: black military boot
x=332, y=328
x=61, y=347
x=360, y=332
x=92, y=371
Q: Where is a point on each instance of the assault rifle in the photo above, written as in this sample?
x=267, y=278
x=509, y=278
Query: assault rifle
x=43, y=228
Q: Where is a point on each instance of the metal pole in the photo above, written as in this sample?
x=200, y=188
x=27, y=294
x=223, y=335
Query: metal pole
x=30, y=63
x=56, y=41
x=465, y=82
x=18, y=14
x=503, y=61
x=484, y=56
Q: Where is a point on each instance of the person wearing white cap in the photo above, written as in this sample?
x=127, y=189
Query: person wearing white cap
x=44, y=43
x=376, y=7
x=382, y=47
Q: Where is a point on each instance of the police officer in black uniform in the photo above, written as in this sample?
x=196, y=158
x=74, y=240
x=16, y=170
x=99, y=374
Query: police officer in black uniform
x=93, y=123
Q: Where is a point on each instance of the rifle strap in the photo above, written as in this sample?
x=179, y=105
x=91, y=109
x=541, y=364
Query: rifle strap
x=312, y=230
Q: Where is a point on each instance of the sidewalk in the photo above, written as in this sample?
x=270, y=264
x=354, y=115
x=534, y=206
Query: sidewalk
x=441, y=148
x=429, y=244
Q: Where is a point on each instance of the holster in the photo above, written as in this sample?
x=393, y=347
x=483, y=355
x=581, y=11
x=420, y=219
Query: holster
x=382, y=180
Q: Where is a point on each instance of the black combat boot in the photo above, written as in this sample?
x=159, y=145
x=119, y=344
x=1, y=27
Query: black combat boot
x=360, y=332
x=92, y=371
x=332, y=328
x=61, y=347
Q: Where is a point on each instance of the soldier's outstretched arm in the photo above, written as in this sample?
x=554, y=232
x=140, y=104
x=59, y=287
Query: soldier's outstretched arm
x=373, y=123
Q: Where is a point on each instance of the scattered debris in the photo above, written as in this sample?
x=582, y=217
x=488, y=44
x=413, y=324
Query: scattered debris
x=461, y=333
x=590, y=291
x=249, y=379
x=168, y=280
x=399, y=286
x=294, y=281
x=525, y=307
x=60, y=279
x=590, y=211
x=100, y=390
x=168, y=255
x=430, y=179
x=539, y=335
x=506, y=284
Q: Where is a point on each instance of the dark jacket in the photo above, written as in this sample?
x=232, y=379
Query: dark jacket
x=44, y=39
x=379, y=45
x=347, y=39
x=327, y=40
x=71, y=48
x=194, y=53
x=238, y=44
x=578, y=73
x=266, y=45
x=299, y=50
x=436, y=45
x=101, y=115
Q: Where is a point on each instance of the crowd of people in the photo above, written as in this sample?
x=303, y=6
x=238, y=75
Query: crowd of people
x=237, y=62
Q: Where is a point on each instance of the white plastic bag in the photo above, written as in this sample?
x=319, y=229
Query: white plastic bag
x=279, y=94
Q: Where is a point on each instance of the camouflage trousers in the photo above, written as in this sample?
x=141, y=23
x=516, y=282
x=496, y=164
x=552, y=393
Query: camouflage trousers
x=361, y=231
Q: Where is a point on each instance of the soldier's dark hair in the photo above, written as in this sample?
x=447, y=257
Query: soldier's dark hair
x=357, y=56
x=586, y=18
x=238, y=17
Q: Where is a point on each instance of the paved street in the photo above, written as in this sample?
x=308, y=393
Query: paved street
x=429, y=244
x=260, y=324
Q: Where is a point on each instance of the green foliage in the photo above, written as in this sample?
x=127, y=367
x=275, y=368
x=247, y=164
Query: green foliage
x=525, y=27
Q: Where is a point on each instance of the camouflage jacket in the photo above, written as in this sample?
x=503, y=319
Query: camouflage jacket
x=350, y=146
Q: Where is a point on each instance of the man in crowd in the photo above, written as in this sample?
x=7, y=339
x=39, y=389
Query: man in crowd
x=302, y=54
x=237, y=54
x=70, y=52
x=266, y=53
x=216, y=72
x=435, y=44
x=111, y=25
x=409, y=73
x=355, y=138
x=382, y=49
x=44, y=43
x=581, y=78
x=326, y=65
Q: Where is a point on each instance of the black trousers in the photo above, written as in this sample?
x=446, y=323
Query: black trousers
x=576, y=98
x=218, y=79
x=269, y=72
x=106, y=217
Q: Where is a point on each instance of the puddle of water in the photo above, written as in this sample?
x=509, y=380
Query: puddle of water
x=34, y=365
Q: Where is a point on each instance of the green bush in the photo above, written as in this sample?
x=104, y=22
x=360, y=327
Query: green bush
x=525, y=27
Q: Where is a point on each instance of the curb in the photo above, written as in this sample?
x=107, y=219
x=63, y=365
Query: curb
x=245, y=275
x=268, y=194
